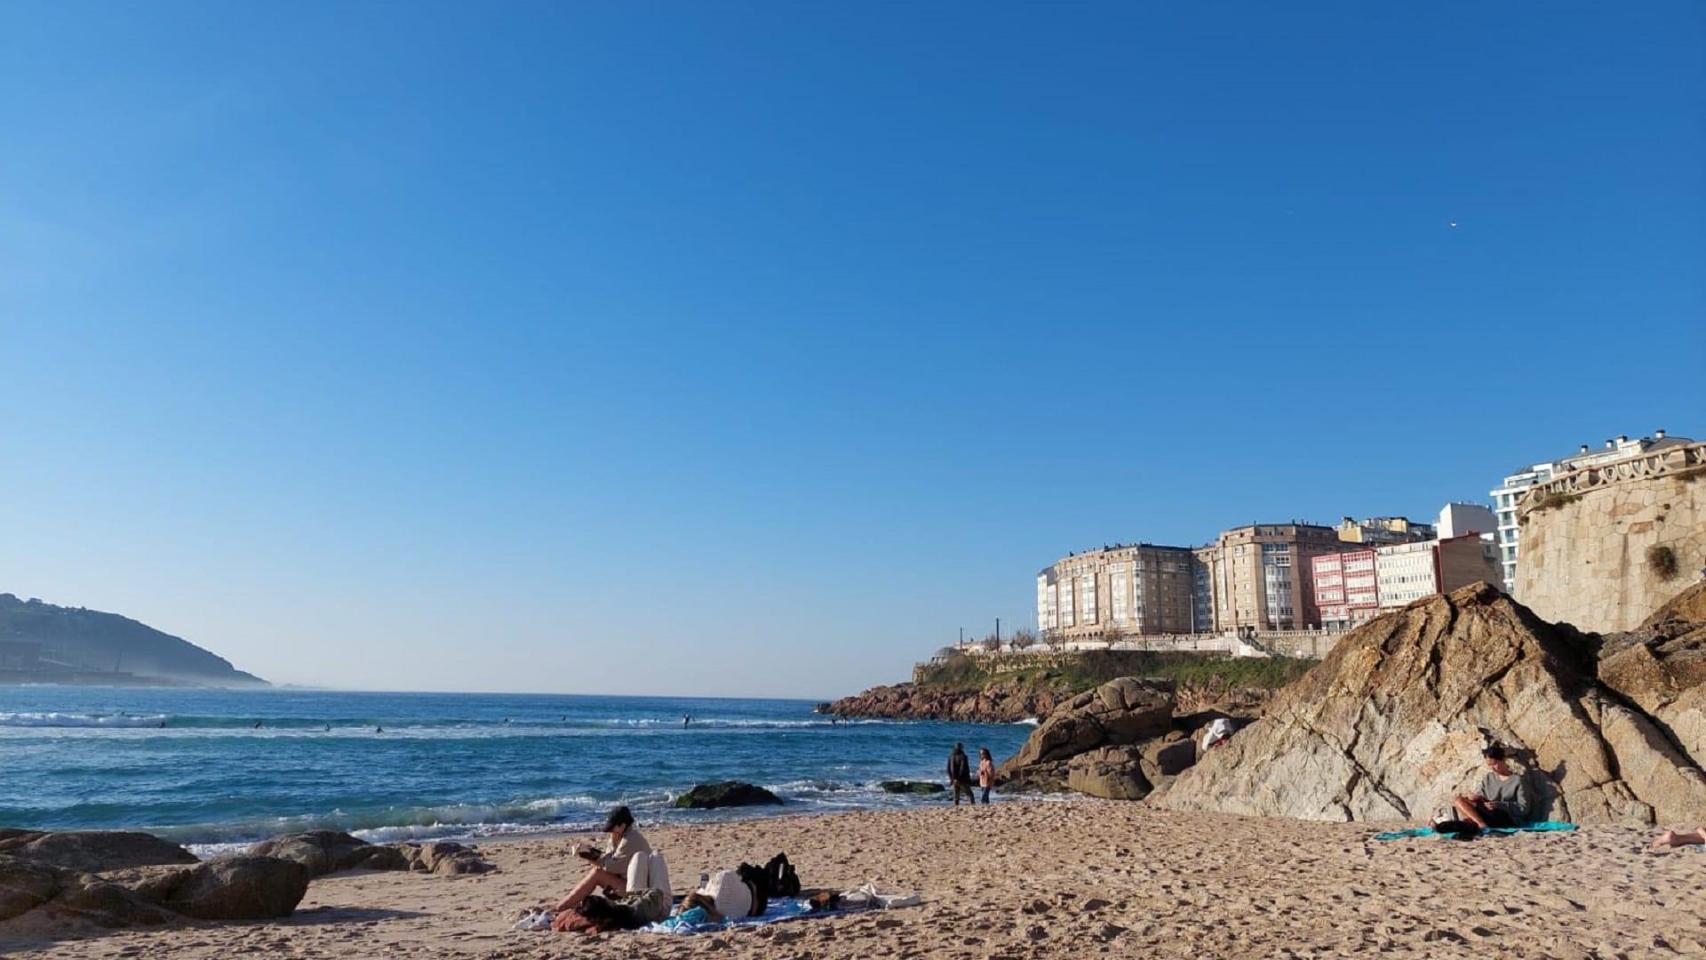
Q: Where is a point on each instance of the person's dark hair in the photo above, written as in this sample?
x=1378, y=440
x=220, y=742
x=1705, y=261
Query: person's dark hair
x=619, y=817
x=1494, y=752
x=959, y=748
x=984, y=753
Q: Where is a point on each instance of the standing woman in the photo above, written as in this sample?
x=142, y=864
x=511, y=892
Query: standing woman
x=985, y=772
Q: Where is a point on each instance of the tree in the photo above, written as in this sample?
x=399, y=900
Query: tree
x=992, y=643
x=1022, y=638
x=1055, y=640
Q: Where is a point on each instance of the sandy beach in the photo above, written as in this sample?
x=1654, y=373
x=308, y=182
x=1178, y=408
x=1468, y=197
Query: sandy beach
x=1024, y=879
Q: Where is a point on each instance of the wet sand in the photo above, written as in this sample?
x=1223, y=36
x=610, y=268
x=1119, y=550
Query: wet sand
x=1033, y=879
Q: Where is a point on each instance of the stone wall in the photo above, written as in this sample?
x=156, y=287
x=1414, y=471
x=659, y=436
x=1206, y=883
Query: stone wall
x=1596, y=543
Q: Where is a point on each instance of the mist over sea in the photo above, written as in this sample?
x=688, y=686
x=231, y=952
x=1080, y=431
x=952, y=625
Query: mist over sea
x=193, y=765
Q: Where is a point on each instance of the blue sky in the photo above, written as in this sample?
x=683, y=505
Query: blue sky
x=746, y=348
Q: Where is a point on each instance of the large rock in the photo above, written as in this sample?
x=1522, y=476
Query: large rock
x=1058, y=754
x=326, y=851
x=1112, y=773
x=91, y=851
x=729, y=793
x=911, y=786
x=1660, y=668
x=25, y=886
x=440, y=857
x=239, y=888
x=1391, y=723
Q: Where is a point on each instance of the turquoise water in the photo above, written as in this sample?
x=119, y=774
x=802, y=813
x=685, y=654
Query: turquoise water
x=192, y=764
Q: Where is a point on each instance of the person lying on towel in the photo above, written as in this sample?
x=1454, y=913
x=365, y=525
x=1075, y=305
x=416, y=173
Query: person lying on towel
x=609, y=870
x=1503, y=800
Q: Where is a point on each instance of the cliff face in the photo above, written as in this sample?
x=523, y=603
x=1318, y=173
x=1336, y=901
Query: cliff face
x=999, y=703
x=1603, y=546
x=1392, y=722
x=89, y=641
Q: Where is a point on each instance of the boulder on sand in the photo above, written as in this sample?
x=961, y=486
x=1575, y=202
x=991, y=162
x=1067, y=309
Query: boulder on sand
x=239, y=888
x=322, y=851
x=1117, y=714
x=729, y=793
x=1391, y=724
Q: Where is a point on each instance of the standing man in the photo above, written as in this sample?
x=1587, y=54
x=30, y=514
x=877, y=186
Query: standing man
x=959, y=774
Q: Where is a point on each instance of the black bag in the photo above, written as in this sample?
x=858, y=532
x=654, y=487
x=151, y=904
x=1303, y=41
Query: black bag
x=784, y=882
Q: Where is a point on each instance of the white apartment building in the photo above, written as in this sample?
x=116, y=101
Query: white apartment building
x=1462, y=519
x=1507, y=494
x=1405, y=572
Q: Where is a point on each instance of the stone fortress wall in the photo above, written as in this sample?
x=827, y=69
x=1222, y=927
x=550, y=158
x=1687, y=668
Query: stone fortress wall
x=1603, y=546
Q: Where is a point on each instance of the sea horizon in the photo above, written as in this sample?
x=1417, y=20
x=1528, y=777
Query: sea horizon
x=218, y=770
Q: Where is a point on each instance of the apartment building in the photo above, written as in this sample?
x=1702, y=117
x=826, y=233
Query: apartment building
x=1462, y=519
x=1408, y=572
x=1347, y=588
x=1374, y=530
x=1260, y=576
x=1125, y=590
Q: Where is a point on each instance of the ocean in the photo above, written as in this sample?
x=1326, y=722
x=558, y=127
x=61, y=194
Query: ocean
x=215, y=768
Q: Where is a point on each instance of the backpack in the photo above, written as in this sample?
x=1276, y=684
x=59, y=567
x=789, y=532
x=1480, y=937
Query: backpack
x=784, y=882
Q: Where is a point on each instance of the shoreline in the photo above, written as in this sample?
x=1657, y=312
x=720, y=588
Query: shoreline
x=1018, y=879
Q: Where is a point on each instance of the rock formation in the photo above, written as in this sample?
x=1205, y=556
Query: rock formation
x=1089, y=743
x=328, y=851
x=909, y=701
x=1660, y=668
x=1391, y=724
x=922, y=787
x=62, y=880
x=729, y=793
x=120, y=879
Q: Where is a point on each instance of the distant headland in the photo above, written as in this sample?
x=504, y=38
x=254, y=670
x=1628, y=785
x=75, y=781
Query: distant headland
x=44, y=643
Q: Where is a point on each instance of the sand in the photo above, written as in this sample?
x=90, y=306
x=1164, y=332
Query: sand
x=1035, y=879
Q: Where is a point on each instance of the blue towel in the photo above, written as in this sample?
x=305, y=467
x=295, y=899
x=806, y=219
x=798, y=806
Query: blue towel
x=783, y=908
x=1544, y=826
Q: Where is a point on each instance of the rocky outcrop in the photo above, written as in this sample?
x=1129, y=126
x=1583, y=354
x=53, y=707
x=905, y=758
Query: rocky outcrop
x=1085, y=744
x=238, y=888
x=328, y=851
x=1391, y=724
x=906, y=701
x=107, y=879
x=128, y=893
x=1660, y=668
x=90, y=851
x=440, y=857
x=923, y=787
x=729, y=793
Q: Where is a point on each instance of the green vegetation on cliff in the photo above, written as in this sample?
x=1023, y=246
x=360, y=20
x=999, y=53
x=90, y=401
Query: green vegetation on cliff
x=1075, y=672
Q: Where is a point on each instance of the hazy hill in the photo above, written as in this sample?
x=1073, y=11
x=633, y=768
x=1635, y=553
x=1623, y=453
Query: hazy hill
x=92, y=642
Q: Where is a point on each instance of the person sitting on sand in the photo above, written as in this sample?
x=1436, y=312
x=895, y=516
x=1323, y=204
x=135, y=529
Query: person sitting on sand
x=1687, y=838
x=610, y=869
x=1504, y=798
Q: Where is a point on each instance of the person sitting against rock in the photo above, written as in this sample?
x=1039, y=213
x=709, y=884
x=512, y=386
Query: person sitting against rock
x=609, y=869
x=1685, y=838
x=1504, y=798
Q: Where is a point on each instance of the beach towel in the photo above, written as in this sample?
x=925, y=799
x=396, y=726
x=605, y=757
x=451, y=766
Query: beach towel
x=698, y=921
x=866, y=897
x=1544, y=826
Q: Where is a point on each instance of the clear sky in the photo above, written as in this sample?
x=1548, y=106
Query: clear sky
x=736, y=348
